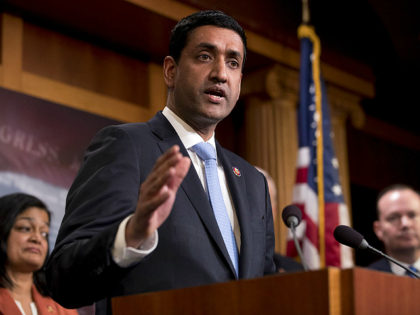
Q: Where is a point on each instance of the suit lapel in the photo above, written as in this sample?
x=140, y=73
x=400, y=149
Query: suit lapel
x=237, y=187
x=191, y=184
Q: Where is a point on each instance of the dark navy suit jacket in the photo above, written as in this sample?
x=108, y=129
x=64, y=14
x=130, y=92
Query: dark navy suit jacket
x=190, y=249
x=286, y=263
x=381, y=265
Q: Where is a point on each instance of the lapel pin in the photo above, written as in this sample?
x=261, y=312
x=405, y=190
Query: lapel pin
x=236, y=171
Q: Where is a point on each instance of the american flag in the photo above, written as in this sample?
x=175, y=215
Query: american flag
x=317, y=191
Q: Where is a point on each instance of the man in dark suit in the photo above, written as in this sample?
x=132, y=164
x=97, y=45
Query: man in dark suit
x=398, y=227
x=138, y=217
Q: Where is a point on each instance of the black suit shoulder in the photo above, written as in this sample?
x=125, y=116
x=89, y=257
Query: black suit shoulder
x=380, y=265
x=287, y=264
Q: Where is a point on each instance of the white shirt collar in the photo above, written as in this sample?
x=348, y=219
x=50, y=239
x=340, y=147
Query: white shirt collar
x=417, y=264
x=189, y=137
x=400, y=271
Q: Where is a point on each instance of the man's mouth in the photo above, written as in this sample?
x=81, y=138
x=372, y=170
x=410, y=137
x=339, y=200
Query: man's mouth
x=406, y=236
x=215, y=93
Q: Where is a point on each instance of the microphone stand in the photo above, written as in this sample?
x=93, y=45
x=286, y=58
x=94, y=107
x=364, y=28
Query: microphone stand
x=297, y=245
x=393, y=260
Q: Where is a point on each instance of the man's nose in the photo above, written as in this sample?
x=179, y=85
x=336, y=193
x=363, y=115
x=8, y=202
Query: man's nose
x=219, y=71
x=406, y=220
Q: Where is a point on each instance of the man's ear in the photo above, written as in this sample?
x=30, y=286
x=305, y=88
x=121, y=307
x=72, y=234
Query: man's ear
x=169, y=71
x=377, y=229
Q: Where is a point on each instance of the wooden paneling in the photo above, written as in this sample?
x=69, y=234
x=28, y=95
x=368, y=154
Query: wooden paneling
x=376, y=162
x=266, y=47
x=52, y=66
x=61, y=58
x=82, y=99
x=12, y=28
x=329, y=291
x=157, y=89
x=1, y=39
x=298, y=293
x=368, y=292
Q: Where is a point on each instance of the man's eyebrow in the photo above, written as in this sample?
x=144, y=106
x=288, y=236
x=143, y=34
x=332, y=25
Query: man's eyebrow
x=207, y=46
x=234, y=53
x=212, y=47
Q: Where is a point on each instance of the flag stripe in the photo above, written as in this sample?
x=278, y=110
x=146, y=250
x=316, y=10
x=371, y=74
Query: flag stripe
x=302, y=175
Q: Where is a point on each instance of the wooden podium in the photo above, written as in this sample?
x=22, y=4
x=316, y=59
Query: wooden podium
x=329, y=291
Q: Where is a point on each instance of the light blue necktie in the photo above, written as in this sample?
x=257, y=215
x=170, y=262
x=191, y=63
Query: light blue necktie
x=207, y=153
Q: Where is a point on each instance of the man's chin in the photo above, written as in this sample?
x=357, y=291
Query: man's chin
x=216, y=112
x=214, y=116
x=407, y=247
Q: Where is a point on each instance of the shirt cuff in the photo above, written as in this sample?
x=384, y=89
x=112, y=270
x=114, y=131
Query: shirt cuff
x=126, y=256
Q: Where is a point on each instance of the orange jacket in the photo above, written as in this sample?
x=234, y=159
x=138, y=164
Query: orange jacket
x=44, y=304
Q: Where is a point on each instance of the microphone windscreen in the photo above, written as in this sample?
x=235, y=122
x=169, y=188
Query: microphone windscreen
x=291, y=211
x=348, y=236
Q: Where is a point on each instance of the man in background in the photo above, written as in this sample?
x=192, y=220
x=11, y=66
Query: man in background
x=283, y=263
x=398, y=227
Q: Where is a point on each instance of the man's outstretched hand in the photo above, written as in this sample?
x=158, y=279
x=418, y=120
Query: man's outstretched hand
x=157, y=196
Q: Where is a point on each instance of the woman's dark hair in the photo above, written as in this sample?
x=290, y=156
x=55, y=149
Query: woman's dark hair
x=185, y=26
x=10, y=207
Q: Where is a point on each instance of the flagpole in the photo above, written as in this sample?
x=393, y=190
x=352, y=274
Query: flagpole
x=319, y=156
x=307, y=31
x=305, y=12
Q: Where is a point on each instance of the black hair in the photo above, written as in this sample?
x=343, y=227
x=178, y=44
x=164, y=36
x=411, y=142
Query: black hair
x=11, y=206
x=185, y=26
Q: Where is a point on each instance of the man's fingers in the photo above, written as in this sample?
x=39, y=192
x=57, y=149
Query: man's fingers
x=167, y=166
x=171, y=177
x=169, y=157
x=183, y=167
x=150, y=205
x=155, y=182
x=157, y=194
x=181, y=170
x=169, y=162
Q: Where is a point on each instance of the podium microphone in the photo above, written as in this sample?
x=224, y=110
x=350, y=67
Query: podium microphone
x=291, y=217
x=350, y=237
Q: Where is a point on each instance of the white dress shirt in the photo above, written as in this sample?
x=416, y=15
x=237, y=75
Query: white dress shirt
x=401, y=271
x=125, y=256
x=32, y=305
